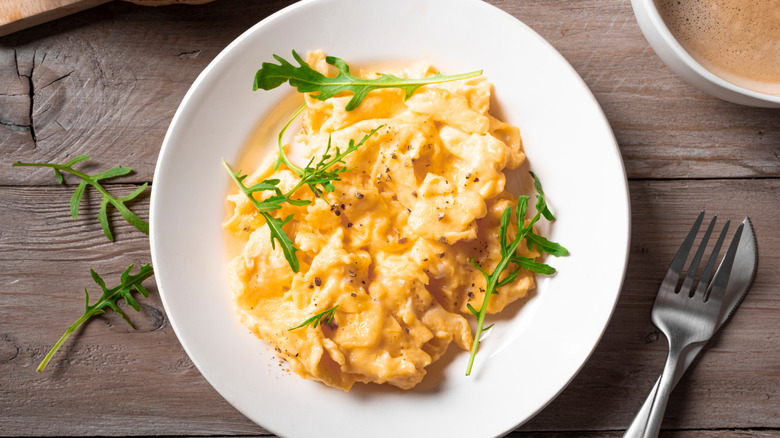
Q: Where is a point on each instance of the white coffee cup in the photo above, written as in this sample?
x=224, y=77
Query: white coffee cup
x=679, y=61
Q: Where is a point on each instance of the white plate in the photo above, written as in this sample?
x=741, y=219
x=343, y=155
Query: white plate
x=534, y=350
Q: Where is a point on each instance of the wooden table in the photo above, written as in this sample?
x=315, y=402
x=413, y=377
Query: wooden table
x=106, y=82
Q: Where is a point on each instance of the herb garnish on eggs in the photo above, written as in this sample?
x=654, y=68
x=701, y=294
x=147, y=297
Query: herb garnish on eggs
x=319, y=177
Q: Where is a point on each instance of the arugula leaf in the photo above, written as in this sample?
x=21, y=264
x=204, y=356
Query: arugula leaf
x=94, y=181
x=107, y=300
x=509, y=255
x=321, y=173
x=317, y=177
x=315, y=320
x=533, y=239
x=308, y=80
x=541, y=204
x=264, y=207
x=544, y=245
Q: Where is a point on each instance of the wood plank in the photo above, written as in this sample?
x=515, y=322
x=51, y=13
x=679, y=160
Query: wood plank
x=107, y=81
x=16, y=15
x=728, y=381
x=665, y=127
x=693, y=433
x=145, y=374
x=109, y=378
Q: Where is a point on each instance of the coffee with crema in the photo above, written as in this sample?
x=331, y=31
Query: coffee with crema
x=738, y=40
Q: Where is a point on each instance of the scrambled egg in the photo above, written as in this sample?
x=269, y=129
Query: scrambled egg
x=391, y=244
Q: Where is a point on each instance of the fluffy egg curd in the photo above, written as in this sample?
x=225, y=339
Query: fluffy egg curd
x=391, y=244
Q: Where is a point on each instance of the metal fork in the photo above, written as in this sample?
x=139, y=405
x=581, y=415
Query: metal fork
x=686, y=318
x=742, y=275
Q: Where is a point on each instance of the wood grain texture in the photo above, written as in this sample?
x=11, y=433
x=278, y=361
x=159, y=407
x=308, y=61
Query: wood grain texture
x=131, y=374
x=16, y=15
x=732, y=433
x=642, y=98
x=106, y=82
x=108, y=378
x=109, y=79
x=725, y=386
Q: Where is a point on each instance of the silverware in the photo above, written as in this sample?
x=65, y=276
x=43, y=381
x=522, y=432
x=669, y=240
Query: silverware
x=742, y=275
x=686, y=318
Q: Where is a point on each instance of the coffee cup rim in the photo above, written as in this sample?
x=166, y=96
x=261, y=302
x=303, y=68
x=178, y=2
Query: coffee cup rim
x=679, y=51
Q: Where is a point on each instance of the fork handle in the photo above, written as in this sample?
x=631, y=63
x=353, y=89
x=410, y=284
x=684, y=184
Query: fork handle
x=640, y=420
x=662, y=396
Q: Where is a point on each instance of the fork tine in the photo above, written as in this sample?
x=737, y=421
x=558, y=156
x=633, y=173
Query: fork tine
x=717, y=289
x=673, y=274
x=704, y=282
x=688, y=283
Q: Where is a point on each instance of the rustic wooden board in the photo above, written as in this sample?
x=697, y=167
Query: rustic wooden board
x=111, y=87
x=145, y=374
x=21, y=14
x=693, y=433
x=109, y=79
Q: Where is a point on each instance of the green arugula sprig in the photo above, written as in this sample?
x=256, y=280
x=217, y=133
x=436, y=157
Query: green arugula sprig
x=308, y=80
x=319, y=174
x=318, y=177
x=532, y=239
x=316, y=319
x=264, y=207
x=94, y=181
x=509, y=255
x=107, y=300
